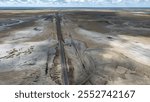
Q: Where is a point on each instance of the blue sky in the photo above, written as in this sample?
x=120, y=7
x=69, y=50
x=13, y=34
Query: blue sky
x=76, y=3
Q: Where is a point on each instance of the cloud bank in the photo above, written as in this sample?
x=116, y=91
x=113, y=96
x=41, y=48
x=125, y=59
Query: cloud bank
x=76, y=3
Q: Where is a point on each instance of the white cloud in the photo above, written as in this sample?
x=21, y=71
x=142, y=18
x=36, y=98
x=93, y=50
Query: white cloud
x=75, y=2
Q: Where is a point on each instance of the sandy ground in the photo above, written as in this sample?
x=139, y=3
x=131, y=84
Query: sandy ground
x=102, y=47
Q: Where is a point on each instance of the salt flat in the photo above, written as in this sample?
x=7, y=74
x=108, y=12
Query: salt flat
x=101, y=47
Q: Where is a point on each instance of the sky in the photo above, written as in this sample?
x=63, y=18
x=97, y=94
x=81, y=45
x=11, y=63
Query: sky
x=74, y=3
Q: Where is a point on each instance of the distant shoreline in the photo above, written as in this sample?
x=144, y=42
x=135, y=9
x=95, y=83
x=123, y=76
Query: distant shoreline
x=73, y=8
